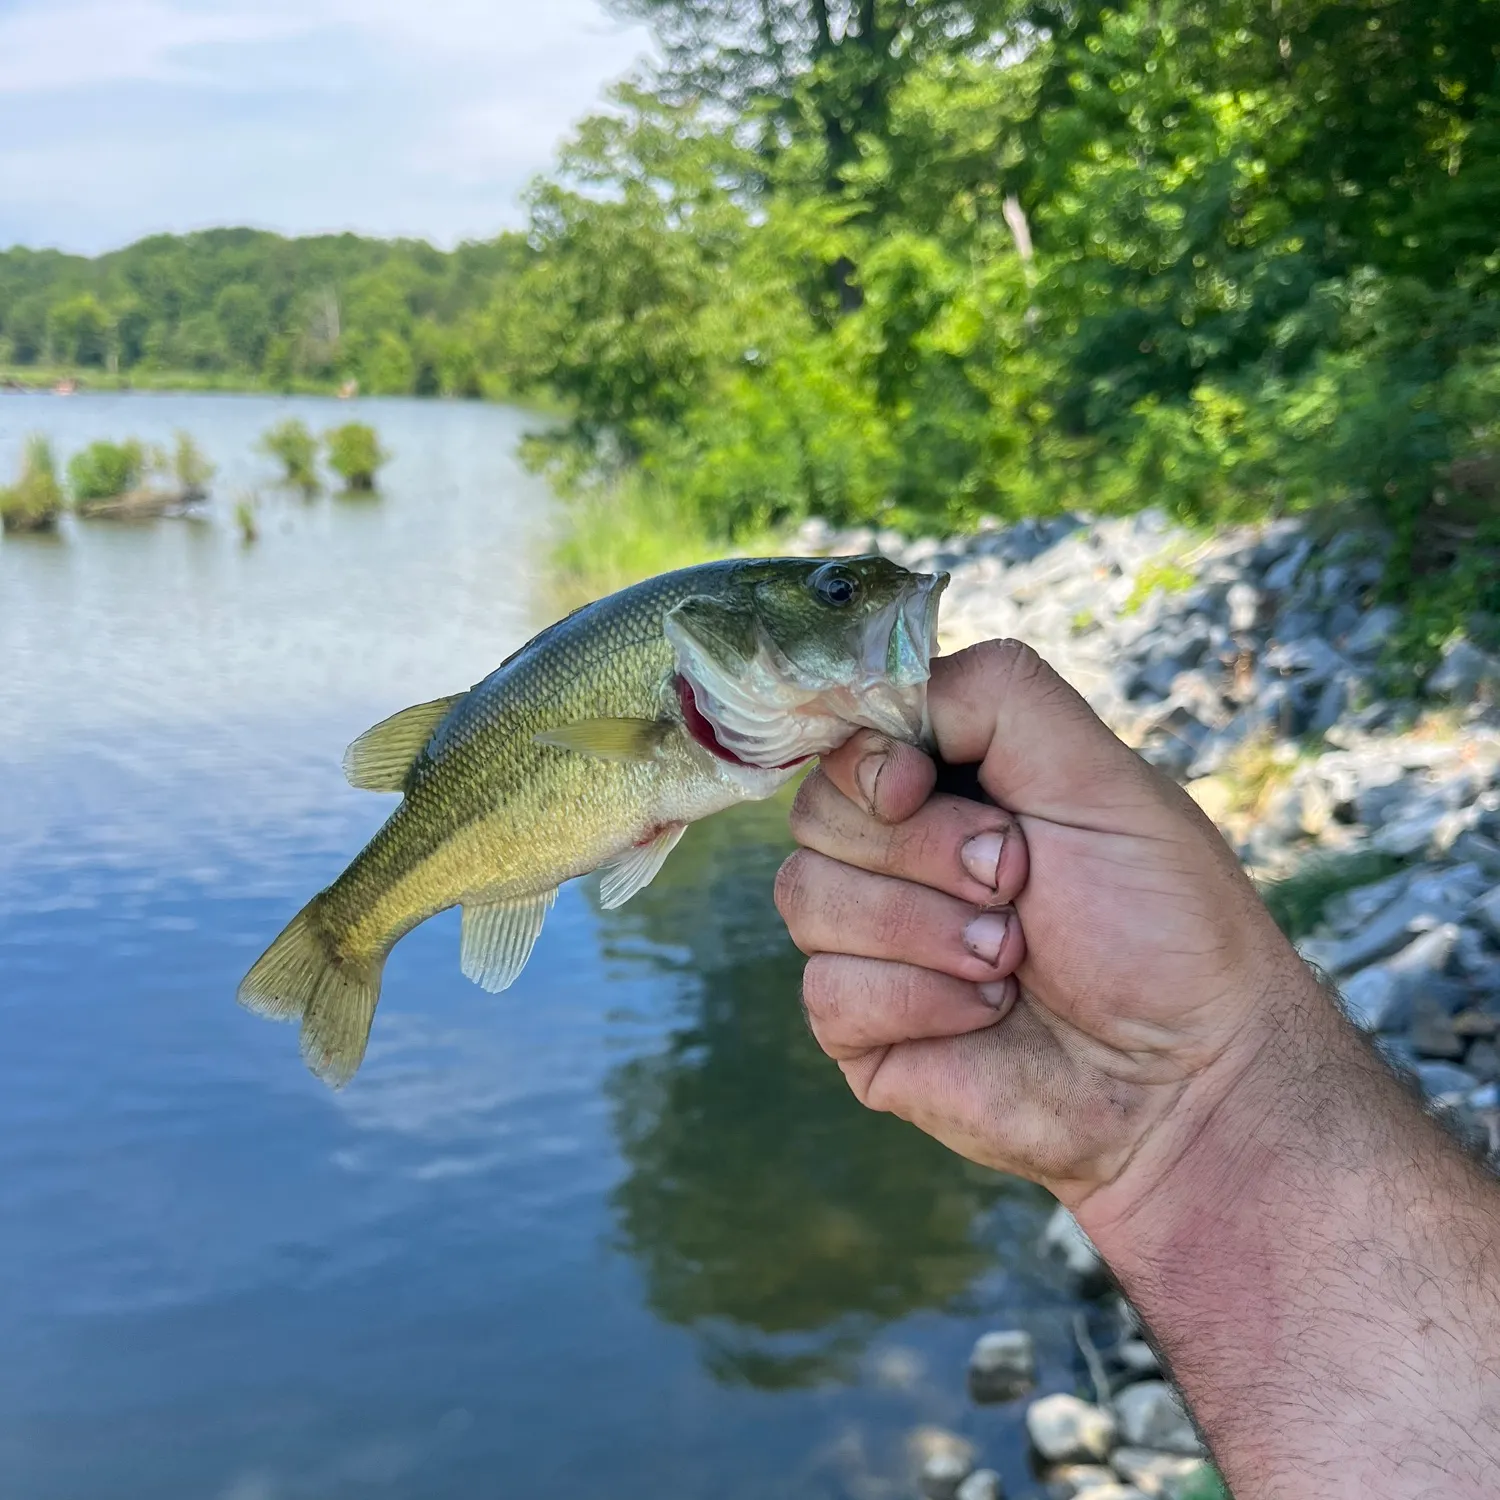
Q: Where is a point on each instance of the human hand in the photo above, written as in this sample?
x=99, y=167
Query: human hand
x=1138, y=973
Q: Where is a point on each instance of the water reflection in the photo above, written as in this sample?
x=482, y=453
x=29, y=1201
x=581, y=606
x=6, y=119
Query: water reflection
x=770, y=1213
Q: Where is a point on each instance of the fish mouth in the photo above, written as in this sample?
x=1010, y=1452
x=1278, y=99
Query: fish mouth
x=770, y=715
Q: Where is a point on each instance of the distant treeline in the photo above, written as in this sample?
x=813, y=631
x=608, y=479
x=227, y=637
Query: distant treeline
x=911, y=261
x=399, y=317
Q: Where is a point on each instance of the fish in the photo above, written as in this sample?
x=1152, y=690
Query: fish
x=591, y=748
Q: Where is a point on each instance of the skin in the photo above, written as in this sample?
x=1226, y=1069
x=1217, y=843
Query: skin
x=1107, y=1008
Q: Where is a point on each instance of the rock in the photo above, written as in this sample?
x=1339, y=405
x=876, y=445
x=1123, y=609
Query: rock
x=1486, y=911
x=1376, y=1000
x=1414, y=832
x=1244, y=603
x=1137, y=1358
x=1476, y=848
x=1002, y=1365
x=1353, y=908
x=1068, y=1480
x=1151, y=1416
x=1372, y=632
x=1155, y=1474
x=1476, y=1022
x=1388, y=930
x=982, y=1484
x=943, y=1461
x=1465, y=673
x=1432, y=1034
x=1063, y=1238
x=1281, y=575
x=1310, y=658
x=1064, y=1429
x=1443, y=1081
x=1215, y=795
x=1483, y=1061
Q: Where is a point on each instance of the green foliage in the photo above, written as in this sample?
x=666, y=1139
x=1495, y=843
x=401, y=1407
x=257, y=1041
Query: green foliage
x=190, y=466
x=1163, y=576
x=1207, y=1484
x=105, y=470
x=355, y=454
x=1298, y=901
x=293, y=446
x=242, y=307
x=35, y=501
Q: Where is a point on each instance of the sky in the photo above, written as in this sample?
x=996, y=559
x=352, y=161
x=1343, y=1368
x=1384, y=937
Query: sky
x=120, y=118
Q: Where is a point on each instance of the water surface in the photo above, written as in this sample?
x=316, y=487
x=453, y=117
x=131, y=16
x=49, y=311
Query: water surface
x=619, y=1230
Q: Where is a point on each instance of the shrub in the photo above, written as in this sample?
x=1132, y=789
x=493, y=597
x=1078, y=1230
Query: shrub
x=190, y=468
x=355, y=454
x=105, y=470
x=35, y=501
x=295, y=448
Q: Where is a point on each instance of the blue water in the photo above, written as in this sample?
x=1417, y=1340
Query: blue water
x=619, y=1230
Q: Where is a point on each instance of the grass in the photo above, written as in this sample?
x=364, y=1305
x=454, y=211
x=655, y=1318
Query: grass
x=1299, y=900
x=35, y=501
x=618, y=534
x=1162, y=576
x=294, y=447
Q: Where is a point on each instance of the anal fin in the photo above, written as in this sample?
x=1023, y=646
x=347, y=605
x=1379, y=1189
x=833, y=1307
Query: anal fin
x=498, y=936
x=381, y=758
x=635, y=869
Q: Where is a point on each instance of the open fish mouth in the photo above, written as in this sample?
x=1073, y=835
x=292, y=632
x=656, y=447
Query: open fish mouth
x=772, y=713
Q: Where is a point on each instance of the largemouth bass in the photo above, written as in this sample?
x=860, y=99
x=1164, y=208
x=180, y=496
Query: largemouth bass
x=592, y=748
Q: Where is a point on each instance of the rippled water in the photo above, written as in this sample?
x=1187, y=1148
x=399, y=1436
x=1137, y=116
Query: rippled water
x=619, y=1230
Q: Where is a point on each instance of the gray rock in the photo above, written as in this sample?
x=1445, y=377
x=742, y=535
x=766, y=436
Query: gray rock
x=1486, y=911
x=1137, y=1358
x=1414, y=831
x=1355, y=907
x=1281, y=575
x=1155, y=1474
x=1064, y=1429
x=1063, y=1238
x=1067, y=1480
x=1483, y=1061
x=1151, y=1416
x=1465, y=673
x=1388, y=930
x=1002, y=1365
x=1442, y=1081
x=1476, y=848
x=1432, y=1034
x=1376, y=999
x=1244, y=602
x=1372, y=632
x=943, y=1461
x=982, y=1484
x=1310, y=658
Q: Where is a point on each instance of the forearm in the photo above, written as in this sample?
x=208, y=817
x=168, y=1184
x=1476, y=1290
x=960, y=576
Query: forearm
x=1321, y=1266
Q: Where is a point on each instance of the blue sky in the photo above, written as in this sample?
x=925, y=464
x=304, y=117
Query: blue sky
x=423, y=117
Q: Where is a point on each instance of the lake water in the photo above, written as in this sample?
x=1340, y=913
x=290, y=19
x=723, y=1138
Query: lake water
x=618, y=1231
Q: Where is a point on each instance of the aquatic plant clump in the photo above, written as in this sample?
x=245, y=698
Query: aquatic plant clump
x=190, y=467
x=355, y=454
x=35, y=501
x=294, y=447
x=105, y=470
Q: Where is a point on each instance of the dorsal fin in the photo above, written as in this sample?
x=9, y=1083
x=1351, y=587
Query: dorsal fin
x=381, y=758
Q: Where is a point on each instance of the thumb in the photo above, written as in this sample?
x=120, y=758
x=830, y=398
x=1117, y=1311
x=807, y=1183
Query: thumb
x=1040, y=748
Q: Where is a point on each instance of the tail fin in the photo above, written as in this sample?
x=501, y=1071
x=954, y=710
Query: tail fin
x=301, y=976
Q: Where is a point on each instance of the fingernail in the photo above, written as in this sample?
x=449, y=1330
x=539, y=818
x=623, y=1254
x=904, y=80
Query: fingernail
x=984, y=935
x=981, y=857
x=867, y=774
x=999, y=993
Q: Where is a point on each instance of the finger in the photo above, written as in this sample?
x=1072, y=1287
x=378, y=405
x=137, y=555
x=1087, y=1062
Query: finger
x=886, y=778
x=968, y=849
x=856, y=1004
x=831, y=907
x=1040, y=748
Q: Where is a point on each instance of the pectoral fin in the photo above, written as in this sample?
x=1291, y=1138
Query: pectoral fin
x=610, y=739
x=381, y=758
x=497, y=938
x=635, y=869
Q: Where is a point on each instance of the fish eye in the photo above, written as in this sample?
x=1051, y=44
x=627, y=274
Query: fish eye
x=834, y=584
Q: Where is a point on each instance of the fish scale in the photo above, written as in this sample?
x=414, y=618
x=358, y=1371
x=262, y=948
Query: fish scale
x=576, y=754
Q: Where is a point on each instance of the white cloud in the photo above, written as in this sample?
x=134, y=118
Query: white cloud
x=121, y=117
